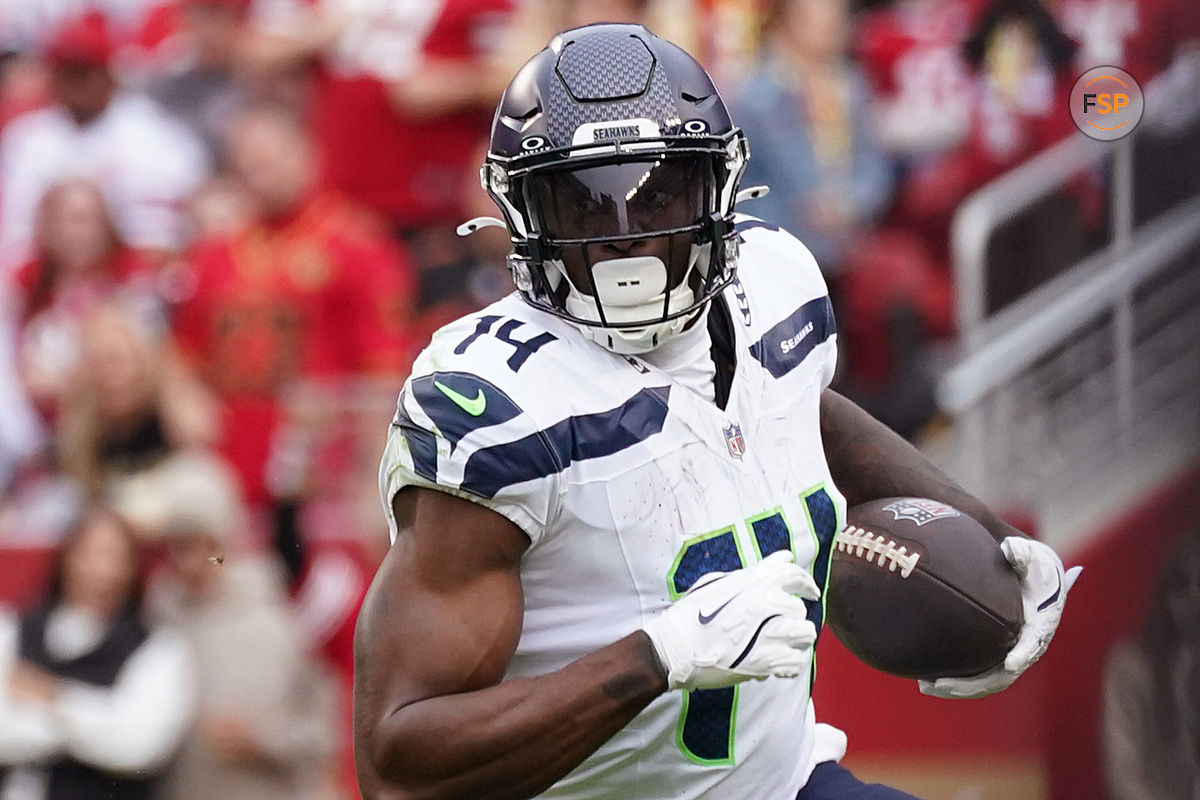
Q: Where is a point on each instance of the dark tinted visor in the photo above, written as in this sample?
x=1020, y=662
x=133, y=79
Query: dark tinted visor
x=633, y=197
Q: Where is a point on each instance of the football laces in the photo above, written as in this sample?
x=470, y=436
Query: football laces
x=862, y=543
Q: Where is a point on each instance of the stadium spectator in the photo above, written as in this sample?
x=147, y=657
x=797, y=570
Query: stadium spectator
x=1151, y=732
x=21, y=434
x=1023, y=79
x=1018, y=89
x=146, y=163
x=806, y=112
x=400, y=94
x=326, y=602
x=534, y=24
x=265, y=713
x=129, y=406
x=478, y=274
x=79, y=262
x=200, y=85
x=308, y=302
x=92, y=701
x=896, y=299
x=912, y=53
x=398, y=99
x=27, y=25
x=24, y=84
x=219, y=208
x=1141, y=36
x=997, y=71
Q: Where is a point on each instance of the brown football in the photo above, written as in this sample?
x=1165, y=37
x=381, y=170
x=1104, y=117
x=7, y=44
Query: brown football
x=920, y=590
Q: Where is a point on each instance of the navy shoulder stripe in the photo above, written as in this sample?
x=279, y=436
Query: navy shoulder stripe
x=551, y=450
x=787, y=343
x=421, y=444
x=459, y=403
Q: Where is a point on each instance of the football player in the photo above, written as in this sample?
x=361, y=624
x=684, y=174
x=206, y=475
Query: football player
x=613, y=494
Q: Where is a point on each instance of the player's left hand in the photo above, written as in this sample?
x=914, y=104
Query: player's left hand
x=1044, y=587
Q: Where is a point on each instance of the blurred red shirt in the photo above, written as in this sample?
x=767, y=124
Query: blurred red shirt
x=321, y=294
x=39, y=290
x=912, y=53
x=410, y=169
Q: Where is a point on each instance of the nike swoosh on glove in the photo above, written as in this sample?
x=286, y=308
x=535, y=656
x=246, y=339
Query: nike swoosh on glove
x=1044, y=587
x=733, y=626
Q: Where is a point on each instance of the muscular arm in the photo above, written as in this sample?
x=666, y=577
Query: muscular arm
x=868, y=461
x=432, y=718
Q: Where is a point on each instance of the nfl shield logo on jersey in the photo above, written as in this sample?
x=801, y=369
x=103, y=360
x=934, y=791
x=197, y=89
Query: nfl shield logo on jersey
x=920, y=510
x=733, y=438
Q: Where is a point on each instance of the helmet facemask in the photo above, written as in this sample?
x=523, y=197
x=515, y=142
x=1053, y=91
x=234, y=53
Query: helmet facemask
x=630, y=245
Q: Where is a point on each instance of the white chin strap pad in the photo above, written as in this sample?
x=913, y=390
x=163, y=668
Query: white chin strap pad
x=631, y=289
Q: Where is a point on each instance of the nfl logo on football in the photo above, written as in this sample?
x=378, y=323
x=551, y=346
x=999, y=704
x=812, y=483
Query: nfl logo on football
x=920, y=510
x=733, y=438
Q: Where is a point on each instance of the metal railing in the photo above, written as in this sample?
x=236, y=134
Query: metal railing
x=1086, y=391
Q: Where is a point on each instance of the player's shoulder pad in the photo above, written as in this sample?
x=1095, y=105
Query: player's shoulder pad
x=511, y=394
x=770, y=250
x=475, y=373
x=508, y=347
x=782, y=296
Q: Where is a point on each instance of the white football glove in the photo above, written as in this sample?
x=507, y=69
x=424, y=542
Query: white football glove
x=1044, y=587
x=733, y=626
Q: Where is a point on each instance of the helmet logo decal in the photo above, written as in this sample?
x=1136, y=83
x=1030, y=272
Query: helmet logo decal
x=695, y=126
x=592, y=132
x=533, y=143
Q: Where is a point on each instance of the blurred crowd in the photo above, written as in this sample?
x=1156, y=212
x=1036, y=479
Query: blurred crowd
x=227, y=227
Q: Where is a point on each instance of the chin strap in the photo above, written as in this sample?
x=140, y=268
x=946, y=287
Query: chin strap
x=479, y=223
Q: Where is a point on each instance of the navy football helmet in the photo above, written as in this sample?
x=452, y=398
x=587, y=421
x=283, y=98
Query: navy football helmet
x=616, y=166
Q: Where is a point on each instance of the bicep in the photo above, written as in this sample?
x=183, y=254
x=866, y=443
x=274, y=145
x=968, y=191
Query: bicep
x=869, y=461
x=443, y=614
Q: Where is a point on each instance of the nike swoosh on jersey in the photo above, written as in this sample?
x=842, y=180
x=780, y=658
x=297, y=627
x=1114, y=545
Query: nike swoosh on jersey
x=474, y=407
x=707, y=618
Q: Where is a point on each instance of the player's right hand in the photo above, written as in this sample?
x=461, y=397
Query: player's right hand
x=733, y=626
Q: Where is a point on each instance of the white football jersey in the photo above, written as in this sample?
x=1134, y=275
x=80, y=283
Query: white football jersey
x=630, y=487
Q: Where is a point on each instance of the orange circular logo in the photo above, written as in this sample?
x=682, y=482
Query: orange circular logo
x=1106, y=103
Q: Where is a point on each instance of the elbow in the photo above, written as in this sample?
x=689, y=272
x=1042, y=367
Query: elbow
x=383, y=769
x=390, y=768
